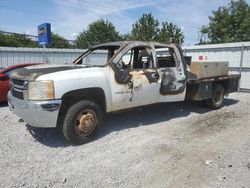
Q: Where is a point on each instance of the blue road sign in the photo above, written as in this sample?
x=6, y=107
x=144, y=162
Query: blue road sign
x=44, y=34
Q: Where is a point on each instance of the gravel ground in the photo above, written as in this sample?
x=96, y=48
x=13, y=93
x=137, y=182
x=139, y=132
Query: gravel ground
x=165, y=145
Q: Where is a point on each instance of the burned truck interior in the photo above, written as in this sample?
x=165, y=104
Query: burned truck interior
x=98, y=56
x=154, y=62
x=157, y=62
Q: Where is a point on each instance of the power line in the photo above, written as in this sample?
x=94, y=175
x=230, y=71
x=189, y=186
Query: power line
x=14, y=33
x=29, y=36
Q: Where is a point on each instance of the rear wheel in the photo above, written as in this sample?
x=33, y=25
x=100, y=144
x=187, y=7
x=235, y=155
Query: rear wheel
x=81, y=122
x=217, y=100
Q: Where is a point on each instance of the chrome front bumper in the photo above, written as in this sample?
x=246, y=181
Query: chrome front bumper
x=36, y=113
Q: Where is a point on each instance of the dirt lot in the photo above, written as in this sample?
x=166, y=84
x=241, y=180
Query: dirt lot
x=166, y=145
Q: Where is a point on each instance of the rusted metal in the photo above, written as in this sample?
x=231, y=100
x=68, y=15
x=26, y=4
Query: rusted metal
x=199, y=91
x=85, y=122
x=218, y=78
x=218, y=96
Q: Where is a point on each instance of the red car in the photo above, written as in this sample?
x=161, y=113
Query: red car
x=4, y=79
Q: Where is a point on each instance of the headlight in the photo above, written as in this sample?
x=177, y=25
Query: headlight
x=41, y=90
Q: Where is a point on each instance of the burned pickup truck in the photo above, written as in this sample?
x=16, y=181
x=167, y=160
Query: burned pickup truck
x=112, y=77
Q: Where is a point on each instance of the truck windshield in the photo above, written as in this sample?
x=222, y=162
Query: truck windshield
x=97, y=57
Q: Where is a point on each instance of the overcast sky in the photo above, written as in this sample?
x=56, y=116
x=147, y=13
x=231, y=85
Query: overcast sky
x=69, y=17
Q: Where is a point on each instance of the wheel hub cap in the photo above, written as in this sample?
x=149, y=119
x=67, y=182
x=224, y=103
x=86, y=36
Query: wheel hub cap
x=85, y=123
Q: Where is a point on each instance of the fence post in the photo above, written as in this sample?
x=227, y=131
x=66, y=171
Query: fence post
x=241, y=62
x=44, y=55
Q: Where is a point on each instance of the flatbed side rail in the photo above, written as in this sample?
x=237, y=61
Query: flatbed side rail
x=213, y=79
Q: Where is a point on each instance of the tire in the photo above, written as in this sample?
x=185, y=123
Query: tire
x=217, y=100
x=82, y=121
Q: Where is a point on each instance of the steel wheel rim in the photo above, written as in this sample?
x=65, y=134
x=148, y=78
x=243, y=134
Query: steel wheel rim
x=218, y=95
x=85, y=122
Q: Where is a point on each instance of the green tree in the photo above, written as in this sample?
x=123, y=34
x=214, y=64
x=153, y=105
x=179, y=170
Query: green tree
x=229, y=23
x=21, y=40
x=59, y=42
x=16, y=40
x=170, y=32
x=100, y=31
x=145, y=29
x=125, y=37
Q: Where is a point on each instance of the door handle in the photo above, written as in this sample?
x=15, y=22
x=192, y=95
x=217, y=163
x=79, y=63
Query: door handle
x=155, y=75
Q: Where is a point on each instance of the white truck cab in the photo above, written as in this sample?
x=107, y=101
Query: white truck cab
x=106, y=78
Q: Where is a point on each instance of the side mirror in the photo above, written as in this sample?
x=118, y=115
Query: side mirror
x=3, y=77
x=122, y=76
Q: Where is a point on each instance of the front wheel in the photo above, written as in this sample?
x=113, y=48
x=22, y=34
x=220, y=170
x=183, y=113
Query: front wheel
x=217, y=100
x=82, y=121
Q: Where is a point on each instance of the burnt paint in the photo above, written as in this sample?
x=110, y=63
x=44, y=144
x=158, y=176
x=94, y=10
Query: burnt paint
x=152, y=76
x=131, y=89
x=32, y=74
x=169, y=83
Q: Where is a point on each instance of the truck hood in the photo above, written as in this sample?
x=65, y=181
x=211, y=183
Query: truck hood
x=33, y=72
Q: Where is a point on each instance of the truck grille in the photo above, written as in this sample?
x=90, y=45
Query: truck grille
x=18, y=82
x=18, y=87
x=17, y=94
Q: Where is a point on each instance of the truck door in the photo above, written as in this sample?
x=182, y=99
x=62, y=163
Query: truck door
x=141, y=85
x=172, y=80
